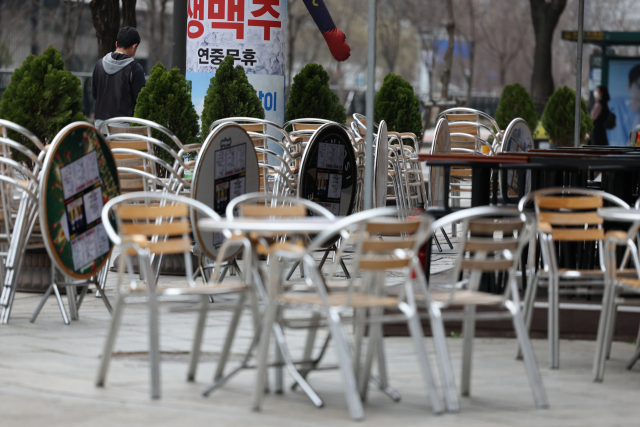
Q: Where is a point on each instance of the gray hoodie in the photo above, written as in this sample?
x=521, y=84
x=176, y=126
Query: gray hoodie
x=112, y=66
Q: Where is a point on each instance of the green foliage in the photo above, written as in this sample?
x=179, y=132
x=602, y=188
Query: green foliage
x=397, y=104
x=558, y=117
x=229, y=95
x=310, y=97
x=42, y=97
x=516, y=102
x=166, y=100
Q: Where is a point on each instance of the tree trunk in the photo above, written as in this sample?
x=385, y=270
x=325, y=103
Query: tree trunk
x=545, y=15
x=448, y=56
x=106, y=20
x=129, y=13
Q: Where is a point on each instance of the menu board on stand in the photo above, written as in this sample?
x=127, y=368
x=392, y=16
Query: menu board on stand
x=441, y=145
x=79, y=177
x=328, y=173
x=517, y=139
x=381, y=165
x=227, y=167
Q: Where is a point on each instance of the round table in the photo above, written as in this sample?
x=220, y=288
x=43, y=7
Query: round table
x=269, y=227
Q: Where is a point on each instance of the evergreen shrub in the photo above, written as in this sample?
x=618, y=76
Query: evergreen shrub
x=558, y=117
x=229, y=95
x=42, y=97
x=397, y=104
x=166, y=100
x=516, y=102
x=311, y=97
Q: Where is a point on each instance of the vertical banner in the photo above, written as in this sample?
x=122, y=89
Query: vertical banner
x=253, y=32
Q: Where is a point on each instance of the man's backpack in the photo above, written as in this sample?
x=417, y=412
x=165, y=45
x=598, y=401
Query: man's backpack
x=610, y=121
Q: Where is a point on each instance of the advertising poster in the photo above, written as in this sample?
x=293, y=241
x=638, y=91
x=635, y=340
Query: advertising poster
x=253, y=32
x=624, y=88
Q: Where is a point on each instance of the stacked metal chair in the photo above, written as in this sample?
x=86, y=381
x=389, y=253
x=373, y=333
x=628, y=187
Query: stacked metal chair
x=20, y=200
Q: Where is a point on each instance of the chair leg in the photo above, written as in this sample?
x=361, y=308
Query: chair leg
x=339, y=334
x=375, y=334
x=533, y=373
x=231, y=334
x=636, y=354
x=444, y=361
x=468, y=333
x=417, y=334
x=197, y=339
x=553, y=324
x=529, y=300
x=110, y=341
x=601, y=339
x=612, y=328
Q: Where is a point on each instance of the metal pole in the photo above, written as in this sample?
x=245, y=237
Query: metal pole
x=179, y=45
x=576, y=129
x=371, y=93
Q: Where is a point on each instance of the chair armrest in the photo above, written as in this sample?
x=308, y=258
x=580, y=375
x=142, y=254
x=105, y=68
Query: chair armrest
x=545, y=227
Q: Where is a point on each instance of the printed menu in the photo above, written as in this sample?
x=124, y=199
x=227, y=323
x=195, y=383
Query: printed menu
x=229, y=179
x=82, y=223
x=330, y=156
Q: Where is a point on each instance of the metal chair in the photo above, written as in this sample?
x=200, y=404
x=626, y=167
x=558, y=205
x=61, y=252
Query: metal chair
x=20, y=198
x=617, y=281
x=153, y=223
x=491, y=242
x=565, y=215
x=373, y=257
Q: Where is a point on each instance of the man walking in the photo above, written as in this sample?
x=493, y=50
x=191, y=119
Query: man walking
x=118, y=79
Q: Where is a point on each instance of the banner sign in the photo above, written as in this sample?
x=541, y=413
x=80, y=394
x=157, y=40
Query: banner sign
x=79, y=177
x=253, y=32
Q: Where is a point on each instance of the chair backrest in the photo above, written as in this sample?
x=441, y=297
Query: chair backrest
x=153, y=222
x=466, y=127
x=492, y=240
x=260, y=205
x=571, y=213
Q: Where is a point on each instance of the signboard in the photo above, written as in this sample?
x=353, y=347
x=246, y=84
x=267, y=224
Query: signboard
x=227, y=167
x=253, y=32
x=517, y=139
x=441, y=145
x=381, y=165
x=328, y=172
x=623, y=82
x=79, y=177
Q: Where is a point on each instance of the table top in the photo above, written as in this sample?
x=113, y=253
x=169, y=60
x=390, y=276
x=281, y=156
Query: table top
x=276, y=225
x=620, y=214
x=471, y=158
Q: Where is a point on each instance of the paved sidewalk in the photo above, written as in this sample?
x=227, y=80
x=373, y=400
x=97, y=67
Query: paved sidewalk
x=47, y=374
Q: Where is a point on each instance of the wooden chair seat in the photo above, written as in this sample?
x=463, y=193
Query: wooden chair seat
x=358, y=300
x=466, y=297
x=632, y=283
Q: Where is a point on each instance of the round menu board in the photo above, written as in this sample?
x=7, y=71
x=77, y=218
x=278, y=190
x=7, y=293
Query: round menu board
x=79, y=177
x=517, y=139
x=381, y=165
x=328, y=173
x=441, y=145
x=227, y=167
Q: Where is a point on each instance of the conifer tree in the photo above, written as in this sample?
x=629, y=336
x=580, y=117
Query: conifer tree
x=398, y=106
x=229, y=95
x=310, y=97
x=166, y=100
x=42, y=96
x=558, y=117
x=516, y=102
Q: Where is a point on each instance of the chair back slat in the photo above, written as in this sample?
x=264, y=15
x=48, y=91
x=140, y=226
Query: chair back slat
x=471, y=130
x=475, y=244
x=570, y=218
x=491, y=225
x=265, y=211
x=577, y=202
x=252, y=127
x=134, y=145
x=376, y=263
x=306, y=126
x=173, y=228
x=461, y=117
x=387, y=245
x=139, y=212
x=486, y=265
x=170, y=246
x=393, y=227
x=577, y=234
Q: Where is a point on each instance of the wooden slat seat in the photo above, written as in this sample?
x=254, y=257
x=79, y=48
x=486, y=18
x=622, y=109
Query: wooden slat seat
x=466, y=297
